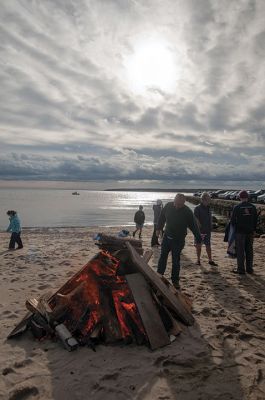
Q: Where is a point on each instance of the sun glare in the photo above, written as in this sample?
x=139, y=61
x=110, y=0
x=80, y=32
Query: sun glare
x=151, y=67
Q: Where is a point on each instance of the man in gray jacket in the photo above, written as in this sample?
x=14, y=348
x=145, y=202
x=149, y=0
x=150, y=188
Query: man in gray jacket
x=203, y=216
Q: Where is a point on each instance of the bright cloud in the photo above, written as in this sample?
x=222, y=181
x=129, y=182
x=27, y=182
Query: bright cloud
x=140, y=90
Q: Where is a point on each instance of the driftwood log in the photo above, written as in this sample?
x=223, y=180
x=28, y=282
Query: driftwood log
x=113, y=243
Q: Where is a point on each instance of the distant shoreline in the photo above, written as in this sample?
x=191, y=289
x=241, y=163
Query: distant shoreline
x=157, y=190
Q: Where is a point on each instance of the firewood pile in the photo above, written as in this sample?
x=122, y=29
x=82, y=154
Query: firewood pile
x=112, y=243
x=115, y=297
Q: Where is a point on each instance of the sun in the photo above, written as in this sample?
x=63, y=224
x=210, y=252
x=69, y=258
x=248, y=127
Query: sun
x=152, y=67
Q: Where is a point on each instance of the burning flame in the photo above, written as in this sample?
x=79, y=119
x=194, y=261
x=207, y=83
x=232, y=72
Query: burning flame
x=97, y=295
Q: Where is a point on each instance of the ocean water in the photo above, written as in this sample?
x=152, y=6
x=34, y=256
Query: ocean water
x=59, y=208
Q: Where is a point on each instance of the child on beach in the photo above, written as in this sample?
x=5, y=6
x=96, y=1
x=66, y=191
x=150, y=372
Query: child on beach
x=139, y=218
x=15, y=228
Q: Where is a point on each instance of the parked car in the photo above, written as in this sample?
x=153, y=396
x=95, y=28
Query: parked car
x=261, y=198
x=252, y=196
x=235, y=195
x=225, y=195
x=215, y=194
x=260, y=192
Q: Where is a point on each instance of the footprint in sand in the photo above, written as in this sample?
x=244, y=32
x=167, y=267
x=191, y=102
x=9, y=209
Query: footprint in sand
x=108, y=377
x=7, y=371
x=206, y=311
x=7, y=312
x=41, y=287
x=245, y=336
x=21, y=364
x=228, y=328
x=23, y=393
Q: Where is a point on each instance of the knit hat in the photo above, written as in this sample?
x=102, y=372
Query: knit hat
x=243, y=194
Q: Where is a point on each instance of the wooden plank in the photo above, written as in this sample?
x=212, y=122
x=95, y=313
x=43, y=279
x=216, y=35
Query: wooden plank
x=175, y=329
x=184, y=299
x=147, y=255
x=149, y=314
x=22, y=326
x=155, y=280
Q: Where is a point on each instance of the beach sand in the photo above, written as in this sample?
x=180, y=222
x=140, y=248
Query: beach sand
x=221, y=357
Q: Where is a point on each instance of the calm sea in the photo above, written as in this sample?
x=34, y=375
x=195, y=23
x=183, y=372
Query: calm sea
x=59, y=208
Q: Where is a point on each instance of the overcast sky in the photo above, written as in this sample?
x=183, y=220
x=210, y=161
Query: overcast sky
x=161, y=92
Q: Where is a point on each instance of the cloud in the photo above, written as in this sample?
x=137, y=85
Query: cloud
x=67, y=95
x=129, y=165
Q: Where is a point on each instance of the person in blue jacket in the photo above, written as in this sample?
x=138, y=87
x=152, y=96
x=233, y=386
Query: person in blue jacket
x=15, y=229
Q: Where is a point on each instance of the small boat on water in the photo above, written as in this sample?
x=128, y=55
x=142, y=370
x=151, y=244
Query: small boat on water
x=76, y=193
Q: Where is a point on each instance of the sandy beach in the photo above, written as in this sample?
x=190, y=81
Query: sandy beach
x=221, y=357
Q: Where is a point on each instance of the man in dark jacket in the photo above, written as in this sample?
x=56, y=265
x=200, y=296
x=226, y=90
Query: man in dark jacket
x=244, y=219
x=157, y=208
x=139, y=218
x=178, y=218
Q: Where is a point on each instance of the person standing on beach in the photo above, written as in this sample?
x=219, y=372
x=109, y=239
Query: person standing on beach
x=177, y=217
x=203, y=217
x=15, y=228
x=139, y=218
x=157, y=208
x=244, y=218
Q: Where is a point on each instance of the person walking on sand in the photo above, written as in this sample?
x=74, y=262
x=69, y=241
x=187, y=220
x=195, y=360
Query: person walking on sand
x=157, y=208
x=244, y=218
x=203, y=217
x=15, y=229
x=139, y=218
x=177, y=217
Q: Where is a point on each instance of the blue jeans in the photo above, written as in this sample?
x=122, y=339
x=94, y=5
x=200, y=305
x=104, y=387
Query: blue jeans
x=175, y=246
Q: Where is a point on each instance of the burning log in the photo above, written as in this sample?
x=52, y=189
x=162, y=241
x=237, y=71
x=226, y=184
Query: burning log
x=111, y=324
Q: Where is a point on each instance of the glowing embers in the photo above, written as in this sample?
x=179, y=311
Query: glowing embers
x=97, y=299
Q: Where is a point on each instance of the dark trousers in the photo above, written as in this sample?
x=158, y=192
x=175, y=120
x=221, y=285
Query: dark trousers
x=154, y=240
x=15, y=238
x=175, y=246
x=244, y=251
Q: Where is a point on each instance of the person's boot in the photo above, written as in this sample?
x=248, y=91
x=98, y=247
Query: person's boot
x=213, y=264
x=133, y=234
x=176, y=285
